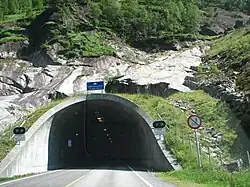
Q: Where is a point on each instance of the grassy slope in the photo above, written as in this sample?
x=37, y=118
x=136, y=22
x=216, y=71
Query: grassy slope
x=232, y=51
x=6, y=144
x=211, y=111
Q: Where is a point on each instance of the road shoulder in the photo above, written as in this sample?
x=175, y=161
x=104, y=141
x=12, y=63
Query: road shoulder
x=178, y=182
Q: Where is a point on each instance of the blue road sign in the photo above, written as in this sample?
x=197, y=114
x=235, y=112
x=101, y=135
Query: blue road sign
x=98, y=85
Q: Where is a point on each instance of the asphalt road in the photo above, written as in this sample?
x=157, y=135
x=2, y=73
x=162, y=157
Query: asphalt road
x=103, y=177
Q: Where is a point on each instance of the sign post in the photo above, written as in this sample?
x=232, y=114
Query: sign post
x=194, y=122
x=19, y=134
x=159, y=128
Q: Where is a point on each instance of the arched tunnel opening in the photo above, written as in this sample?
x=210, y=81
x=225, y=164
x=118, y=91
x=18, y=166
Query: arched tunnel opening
x=88, y=132
x=98, y=132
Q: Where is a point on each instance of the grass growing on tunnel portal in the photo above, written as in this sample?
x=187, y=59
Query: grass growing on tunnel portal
x=6, y=143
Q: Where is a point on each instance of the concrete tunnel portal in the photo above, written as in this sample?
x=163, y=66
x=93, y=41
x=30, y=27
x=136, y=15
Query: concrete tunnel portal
x=96, y=132
x=101, y=131
x=89, y=131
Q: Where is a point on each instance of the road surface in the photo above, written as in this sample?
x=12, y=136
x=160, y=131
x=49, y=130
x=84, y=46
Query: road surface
x=103, y=177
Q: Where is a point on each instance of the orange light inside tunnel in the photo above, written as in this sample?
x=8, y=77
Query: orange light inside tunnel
x=100, y=119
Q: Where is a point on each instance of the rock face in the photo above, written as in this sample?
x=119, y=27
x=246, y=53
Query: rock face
x=223, y=21
x=10, y=49
x=45, y=76
x=128, y=86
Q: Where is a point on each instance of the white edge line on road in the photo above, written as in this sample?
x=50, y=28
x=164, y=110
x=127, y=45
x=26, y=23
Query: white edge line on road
x=146, y=182
x=35, y=175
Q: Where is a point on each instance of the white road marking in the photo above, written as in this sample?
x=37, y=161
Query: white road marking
x=75, y=181
x=35, y=175
x=146, y=182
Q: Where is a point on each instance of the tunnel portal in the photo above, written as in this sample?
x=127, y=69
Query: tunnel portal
x=89, y=131
x=97, y=132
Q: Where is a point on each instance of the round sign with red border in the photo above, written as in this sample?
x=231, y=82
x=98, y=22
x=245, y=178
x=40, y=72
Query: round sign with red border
x=194, y=121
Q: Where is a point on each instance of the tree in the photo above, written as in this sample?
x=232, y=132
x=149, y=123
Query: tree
x=13, y=6
x=248, y=7
x=1, y=12
x=37, y=4
x=5, y=5
x=191, y=18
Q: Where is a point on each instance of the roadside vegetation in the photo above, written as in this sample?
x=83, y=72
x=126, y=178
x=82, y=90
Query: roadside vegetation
x=16, y=177
x=214, y=114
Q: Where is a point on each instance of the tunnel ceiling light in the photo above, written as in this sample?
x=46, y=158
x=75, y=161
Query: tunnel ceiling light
x=100, y=119
x=107, y=134
x=105, y=130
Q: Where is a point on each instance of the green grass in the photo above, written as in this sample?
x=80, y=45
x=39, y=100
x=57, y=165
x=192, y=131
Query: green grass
x=232, y=51
x=12, y=34
x=79, y=44
x=208, y=178
x=14, y=17
x=32, y=118
x=6, y=144
x=213, y=113
x=12, y=39
x=16, y=177
x=234, y=45
x=21, y=16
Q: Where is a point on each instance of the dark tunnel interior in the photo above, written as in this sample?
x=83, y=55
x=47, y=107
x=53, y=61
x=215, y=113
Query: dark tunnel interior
x=95, y=133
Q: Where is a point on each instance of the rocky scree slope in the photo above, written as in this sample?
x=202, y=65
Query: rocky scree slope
x=24, y=86
x=32, y=72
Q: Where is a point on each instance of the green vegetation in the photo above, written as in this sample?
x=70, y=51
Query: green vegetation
x=139, y=20
x=83, y=44
x=235, y=5
x=180, y=182
x=6, y=143
x=84, y=26
x=16, y=177
x=232, y=53
x=15, y=9
x=211, y=177
x=213, y=113
x=12, y=39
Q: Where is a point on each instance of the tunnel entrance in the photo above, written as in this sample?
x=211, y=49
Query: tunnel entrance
x=98, y=132
x=89, y=131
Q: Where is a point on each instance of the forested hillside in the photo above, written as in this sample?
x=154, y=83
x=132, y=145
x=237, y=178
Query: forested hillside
x=132, y=19
x=236, y=5
x=140, y=23
x=9, y=7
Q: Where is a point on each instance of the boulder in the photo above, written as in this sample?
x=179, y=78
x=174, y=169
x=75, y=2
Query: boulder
x=56, y=95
